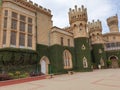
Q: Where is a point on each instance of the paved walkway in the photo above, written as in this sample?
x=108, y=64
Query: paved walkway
x=108, y=79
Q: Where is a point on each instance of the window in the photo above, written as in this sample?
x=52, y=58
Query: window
x=62, y=41
x=14, y=24
x=22, y=18
x=85, y=63
x=67, y=57
x=14, y=15
x=4, y=37
x=102, y=62
x=5, y=22
x=22, y=26
x=29, y=28
x=29, y=41
x=114, y=37
x=6, y=13
x=22, y=39
x=108, y=45
x=29, y=20
x=13, y=38
x=112, y=44
x=68, y=42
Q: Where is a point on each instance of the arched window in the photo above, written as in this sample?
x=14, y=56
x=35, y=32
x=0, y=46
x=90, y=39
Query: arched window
x=67, y=57
x=61, y=41
x=85, y=63
x=102, y=62
x=81, y=26
x=75, y=25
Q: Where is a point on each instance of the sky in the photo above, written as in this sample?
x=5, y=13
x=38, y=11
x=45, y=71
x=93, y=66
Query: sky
x=96, y=9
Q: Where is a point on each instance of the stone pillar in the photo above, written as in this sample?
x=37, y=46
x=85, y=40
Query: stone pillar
x=34, y=35
x=8, y=33
x=26, y=33
x=18, y=32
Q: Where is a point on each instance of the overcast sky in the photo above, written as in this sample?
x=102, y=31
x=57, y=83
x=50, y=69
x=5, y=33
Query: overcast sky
x=97, y=9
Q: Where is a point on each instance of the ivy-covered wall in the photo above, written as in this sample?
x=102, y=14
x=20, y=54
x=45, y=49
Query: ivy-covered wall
x=11, y=59
x=42, y=50
x=56, y=58
x=98, y=53
x=82, y=49
x=113, y=53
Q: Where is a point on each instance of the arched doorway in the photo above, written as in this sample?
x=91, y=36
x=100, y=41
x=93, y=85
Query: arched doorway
x=44, y=62
x=114, y=60
x=67, y=57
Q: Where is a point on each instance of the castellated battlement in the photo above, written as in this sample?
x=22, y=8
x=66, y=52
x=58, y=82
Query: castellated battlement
x=113, y=23
x=77, y=14
x=112, y=20
x=39, y=7
x=31, y=5
x=94, y=25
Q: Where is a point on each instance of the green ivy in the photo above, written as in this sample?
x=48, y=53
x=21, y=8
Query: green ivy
x=14, y=57
x=55, y=55
x=97, y=55
x=81, y=52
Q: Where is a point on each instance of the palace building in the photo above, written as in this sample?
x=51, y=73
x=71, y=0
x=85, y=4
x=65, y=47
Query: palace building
x=30, y=42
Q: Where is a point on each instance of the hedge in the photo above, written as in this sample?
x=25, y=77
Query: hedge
x=14, y=57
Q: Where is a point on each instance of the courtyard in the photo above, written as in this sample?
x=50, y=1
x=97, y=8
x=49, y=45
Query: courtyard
x=105, y=79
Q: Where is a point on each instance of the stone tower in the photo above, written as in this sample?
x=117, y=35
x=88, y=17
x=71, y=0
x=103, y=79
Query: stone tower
x=96, y=38
x=78, y=22
x=113, y=23
x=95, y=32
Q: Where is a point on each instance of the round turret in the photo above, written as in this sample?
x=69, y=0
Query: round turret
x=113, y=23
x=78, y=21
x=77, y=14
x=95, y=32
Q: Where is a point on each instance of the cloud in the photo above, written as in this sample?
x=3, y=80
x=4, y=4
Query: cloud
x=97, y=9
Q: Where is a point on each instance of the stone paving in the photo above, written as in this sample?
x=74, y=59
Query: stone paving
x=107, y=79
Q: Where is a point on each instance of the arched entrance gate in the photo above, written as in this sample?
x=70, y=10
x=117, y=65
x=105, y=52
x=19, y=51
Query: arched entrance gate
x=44, y=62
x=114, y=60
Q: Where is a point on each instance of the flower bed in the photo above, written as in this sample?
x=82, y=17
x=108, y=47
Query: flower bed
x=21, y=80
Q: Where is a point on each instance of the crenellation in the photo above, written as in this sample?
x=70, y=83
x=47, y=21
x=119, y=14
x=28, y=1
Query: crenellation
x=95, y=25
x=45, y=9
x=30, y=5
x=31, y=2
x=49, y=10
x=77, y=14
x=75, y=7
x=113, y=23
x=40, y=7
x=35, y=4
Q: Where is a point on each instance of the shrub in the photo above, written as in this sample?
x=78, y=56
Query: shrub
x=11, y=75
x=109, y=63
x=5, y=77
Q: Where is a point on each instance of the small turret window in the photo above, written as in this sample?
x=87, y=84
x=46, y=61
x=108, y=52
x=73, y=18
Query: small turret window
x=114, y=37
x=69, y=42
x=98, y=34
x=93, y=35
x=80, y=29
x=75, y=25
x=80, y=24
x=62, y=41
